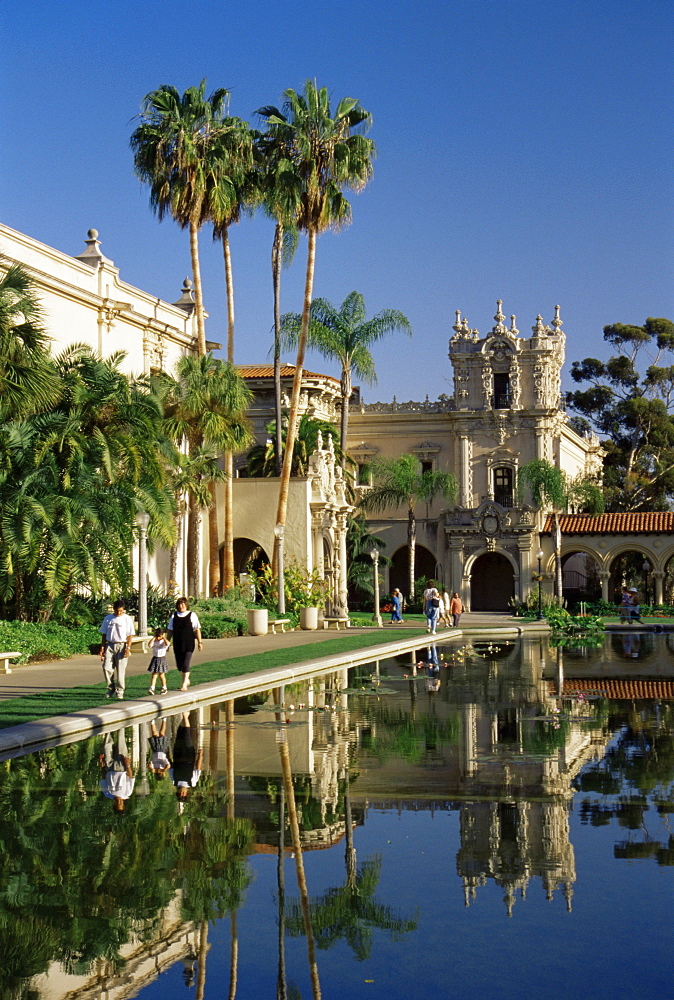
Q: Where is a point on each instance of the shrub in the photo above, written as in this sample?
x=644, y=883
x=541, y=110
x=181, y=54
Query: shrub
x=302, y=588
x=47, y=641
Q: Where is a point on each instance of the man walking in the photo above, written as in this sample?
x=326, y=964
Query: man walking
x=117, y=631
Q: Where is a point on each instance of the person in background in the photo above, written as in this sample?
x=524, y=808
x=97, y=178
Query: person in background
x=184, y=629
x=117, y=631
x=636, y=607
x=626, y=606
x=456, y=608
x=443, y=617
x=396, y=606
x=431, y=606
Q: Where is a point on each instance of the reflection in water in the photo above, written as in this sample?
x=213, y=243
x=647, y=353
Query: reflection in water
x=94, y=900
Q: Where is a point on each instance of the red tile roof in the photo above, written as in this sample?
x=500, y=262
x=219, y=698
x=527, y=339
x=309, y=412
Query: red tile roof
x=611, y=687
x=613, y=524
x=267, y=371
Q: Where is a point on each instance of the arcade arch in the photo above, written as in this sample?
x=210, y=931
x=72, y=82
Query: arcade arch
x=424, y=566
x=492, y=582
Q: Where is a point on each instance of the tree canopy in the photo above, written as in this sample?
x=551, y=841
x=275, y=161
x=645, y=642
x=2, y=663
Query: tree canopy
x=629, y=400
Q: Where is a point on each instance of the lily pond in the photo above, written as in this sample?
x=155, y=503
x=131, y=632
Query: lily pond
x=479, y=819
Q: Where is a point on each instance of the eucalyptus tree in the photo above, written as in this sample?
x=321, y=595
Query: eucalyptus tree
x=400, y=482
x=28, y=380
x=173, y=152
x=205, y=407
x=551, y=488
x=326, y=152
x=346, y=336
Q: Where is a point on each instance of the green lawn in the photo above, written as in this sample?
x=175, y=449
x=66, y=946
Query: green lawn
x=15, y=711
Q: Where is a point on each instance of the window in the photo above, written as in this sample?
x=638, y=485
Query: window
x=503, y=485
x=501, y=400
x=426, y=467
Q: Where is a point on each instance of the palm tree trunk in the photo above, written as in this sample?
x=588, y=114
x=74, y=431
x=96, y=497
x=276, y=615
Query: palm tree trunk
x=293, y=416
x=193, y=546
x=347, y=389
x=276, y=264
x=173, y=555
x=198, y=291
x=228, y=581
x=411, y=548
x=558, y=558
x=214, y=582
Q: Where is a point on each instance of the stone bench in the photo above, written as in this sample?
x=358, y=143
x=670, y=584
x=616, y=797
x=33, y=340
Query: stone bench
x=329, y=622
x=4, y=662
x=279, y=623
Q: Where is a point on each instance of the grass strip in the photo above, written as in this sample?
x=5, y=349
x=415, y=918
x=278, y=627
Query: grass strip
x=30, y=708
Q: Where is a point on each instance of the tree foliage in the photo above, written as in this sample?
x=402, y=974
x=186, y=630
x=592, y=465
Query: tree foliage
x=629, y=400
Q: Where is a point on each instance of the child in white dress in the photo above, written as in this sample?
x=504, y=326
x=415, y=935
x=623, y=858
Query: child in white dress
x=159, y=664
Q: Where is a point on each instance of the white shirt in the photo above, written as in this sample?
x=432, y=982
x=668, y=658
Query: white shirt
x=159, y=647
x=117, y=628
x=117, y=785
x=183, y=614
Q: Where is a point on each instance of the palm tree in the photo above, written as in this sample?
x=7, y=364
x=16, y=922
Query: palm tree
x=325, y=153
x=28, y=380
x=205, y=406
x=346, y=336
x=191, y=477
x=550, y=487
x=262, y=457
x=233, y=187
x=398, y=481
x=172, y=149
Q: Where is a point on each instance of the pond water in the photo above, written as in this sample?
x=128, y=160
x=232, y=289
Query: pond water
x=478, y=820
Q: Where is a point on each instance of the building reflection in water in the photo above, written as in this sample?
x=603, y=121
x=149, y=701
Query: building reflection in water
x=501, y=738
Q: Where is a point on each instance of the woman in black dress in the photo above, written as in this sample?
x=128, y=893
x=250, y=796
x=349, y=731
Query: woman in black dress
x=184, y=628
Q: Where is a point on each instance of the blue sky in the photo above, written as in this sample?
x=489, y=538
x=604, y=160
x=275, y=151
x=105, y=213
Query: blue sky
x=524, y=153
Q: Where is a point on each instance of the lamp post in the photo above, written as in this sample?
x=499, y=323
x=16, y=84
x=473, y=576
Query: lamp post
x=278, y=535
x=539, y=556
x=376, y=617
x=142, y=520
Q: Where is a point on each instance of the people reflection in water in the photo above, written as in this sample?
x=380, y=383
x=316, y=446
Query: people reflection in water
x=118, y=781
x=432, y=670
x=160, y=762
x=187, y=760
x=631, y=643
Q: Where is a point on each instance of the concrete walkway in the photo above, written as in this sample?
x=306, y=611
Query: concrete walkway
x=36, y=678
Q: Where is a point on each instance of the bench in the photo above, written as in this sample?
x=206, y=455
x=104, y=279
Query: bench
x=4, y=662
x=329, y=622
x=141, y=640
x=279, y=623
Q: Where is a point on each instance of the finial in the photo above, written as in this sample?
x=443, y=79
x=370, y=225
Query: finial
x=513, y=327
x=92, y=255
x=186, y=300
x=539, y=328
x=499, y=317
x=331, y=445
x=557, y=323
x=319, y=441
x=457, y=324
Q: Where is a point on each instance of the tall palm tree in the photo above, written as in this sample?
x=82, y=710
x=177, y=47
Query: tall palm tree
x=172, y=149
x=346, y=336
x=551, y=488
x=191, y=477
x=326, y=153
x=400, y=481
x=28, y=380
x=205, y=406
x=233, y=188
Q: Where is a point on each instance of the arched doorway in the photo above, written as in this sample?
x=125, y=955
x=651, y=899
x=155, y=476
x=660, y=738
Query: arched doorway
x=580, y=579
x=248, y=555
x=424, y=566
x=492, y=583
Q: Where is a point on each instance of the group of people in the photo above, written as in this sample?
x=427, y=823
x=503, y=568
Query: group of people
x=630, y=608
x=439, y=608
x=117, y=632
